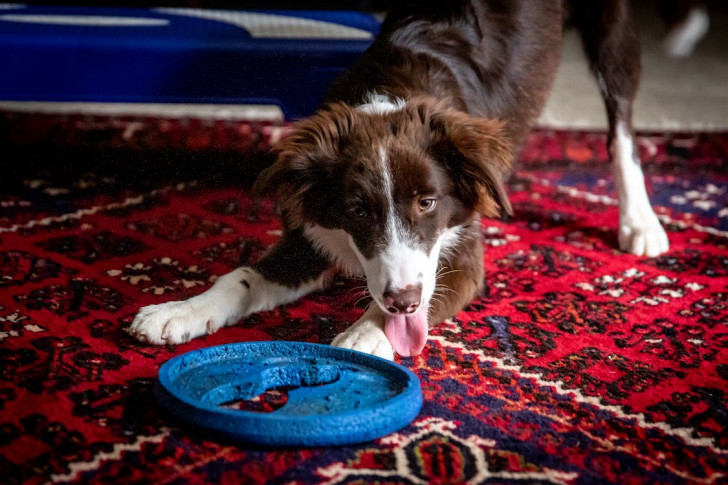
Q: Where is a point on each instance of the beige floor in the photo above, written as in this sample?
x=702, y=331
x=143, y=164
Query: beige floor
x=675, y=94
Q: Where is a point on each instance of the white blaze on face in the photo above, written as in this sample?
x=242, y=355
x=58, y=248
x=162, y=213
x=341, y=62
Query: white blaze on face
x=403, y=262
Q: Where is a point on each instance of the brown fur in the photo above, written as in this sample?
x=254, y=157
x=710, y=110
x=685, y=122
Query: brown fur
x=489, y=59
x=462, y=81
x=475, y=75
x=475, y=152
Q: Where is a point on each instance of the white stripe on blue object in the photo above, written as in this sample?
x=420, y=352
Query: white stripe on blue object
x=271, y=26
x=85, y=20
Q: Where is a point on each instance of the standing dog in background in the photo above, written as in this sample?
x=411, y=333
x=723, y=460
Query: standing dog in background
x=391, y=178
x=687, y=22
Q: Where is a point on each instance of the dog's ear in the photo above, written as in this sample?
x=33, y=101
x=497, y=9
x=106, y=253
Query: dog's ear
x=302, y=176
x=478, y=156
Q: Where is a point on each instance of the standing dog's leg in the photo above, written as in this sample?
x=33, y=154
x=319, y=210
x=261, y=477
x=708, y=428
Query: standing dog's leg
x=687, y=22
x=290, y=270
x=613, y=49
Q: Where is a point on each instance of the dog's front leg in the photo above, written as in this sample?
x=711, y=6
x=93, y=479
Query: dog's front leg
x=459, y=280
x=288, y=271
x=456, y=288
x=367, y=335
x=613, y=51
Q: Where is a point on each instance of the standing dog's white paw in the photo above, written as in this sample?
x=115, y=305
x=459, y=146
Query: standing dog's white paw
x=640, y=232
x=174, y=322
x=642, y=235
x=367, y=335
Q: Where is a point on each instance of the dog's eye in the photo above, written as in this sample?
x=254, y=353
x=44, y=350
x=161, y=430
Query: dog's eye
x=357, y=211
x=427, y=205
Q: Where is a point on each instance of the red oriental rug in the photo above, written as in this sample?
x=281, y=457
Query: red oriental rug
x=579, y=364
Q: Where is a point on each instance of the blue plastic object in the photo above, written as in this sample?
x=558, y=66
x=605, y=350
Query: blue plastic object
x=176, y=55
x=342, y=396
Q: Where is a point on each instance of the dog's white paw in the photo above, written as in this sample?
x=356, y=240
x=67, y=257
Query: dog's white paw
x=235, y=295
x=642, y=235
x=175, y=322
x=366, y=335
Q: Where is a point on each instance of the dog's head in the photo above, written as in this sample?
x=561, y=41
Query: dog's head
x=395, y=185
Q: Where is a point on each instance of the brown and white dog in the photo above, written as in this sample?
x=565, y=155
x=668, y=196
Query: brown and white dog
x=391, y=178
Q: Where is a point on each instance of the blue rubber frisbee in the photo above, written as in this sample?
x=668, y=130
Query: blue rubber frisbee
x=341, y=396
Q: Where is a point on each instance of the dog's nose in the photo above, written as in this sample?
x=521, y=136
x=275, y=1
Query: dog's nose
x=405, y=300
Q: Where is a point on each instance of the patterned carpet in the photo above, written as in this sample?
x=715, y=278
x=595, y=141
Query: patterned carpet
x=578, y=365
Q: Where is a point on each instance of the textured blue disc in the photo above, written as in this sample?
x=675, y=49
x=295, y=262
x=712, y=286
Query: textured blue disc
x=341, y=396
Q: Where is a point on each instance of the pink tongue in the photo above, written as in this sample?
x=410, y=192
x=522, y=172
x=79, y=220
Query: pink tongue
x=407, y=334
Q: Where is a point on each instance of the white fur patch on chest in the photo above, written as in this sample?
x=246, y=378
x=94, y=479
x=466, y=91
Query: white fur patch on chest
x=337, y=245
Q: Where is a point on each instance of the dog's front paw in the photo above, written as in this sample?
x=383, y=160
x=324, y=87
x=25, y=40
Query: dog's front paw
x=642, y=235
x=366, y=335
x=174, y=322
